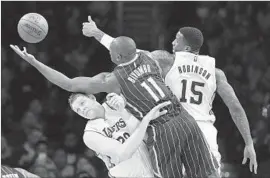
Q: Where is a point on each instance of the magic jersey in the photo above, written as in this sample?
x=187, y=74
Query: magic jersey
x=143, y=87
x=192, y=79
x=120, y=129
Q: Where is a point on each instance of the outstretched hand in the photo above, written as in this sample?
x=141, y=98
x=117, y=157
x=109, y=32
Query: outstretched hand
x=156, y=111
x=249, y=153
x=89, y=27
x=23, y=53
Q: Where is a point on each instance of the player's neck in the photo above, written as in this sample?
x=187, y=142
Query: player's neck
x=192, y=52
x=129, y=62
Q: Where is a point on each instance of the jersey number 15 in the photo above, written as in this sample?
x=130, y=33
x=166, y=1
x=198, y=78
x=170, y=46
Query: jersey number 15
x=195, y=92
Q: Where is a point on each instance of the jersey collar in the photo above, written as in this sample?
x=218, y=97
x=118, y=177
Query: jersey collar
x=129, y=62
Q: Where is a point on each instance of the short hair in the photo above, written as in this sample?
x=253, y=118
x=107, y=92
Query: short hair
x=74, y=96
x=193, y=37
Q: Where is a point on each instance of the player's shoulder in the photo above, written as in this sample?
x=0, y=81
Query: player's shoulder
x=96, y=125
x=164, y=58
x=207, y=59
x=220, y=75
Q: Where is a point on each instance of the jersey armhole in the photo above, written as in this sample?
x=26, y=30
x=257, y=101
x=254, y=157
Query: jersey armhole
x=92, y=130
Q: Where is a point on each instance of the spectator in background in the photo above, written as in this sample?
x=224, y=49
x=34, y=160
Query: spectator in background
x=60, y=159
x=6, y=151
x=85, y=166
x=71, y=147
x=28, y=149
x=40, y=171
x=30, y=122
x=42, y=159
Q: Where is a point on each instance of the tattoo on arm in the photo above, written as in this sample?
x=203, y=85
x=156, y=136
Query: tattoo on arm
x=225, y=90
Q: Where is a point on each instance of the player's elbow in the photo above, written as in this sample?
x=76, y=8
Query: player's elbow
x=87, y=139
x=123, y=155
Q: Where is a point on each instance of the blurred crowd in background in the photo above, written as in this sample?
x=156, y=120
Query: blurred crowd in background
x=40, y=132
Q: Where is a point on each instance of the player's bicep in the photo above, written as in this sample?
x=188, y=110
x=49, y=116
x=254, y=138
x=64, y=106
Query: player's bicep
x=164, y=60
x=101, y=144
x=103, y=82
x=225, y=90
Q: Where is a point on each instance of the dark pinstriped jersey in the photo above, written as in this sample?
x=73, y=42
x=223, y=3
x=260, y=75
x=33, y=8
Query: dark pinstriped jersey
x=143, y=87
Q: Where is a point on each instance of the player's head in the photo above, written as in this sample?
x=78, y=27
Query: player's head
x=188, y=39
x=122, y=50
x=86, y=106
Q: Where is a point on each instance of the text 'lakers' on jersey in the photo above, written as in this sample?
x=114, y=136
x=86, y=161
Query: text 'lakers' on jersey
x=192, y=79
x=143, y=87
x=120, y=128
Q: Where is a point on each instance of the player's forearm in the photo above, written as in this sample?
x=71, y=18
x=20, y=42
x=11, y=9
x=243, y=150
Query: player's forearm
x=134, y=141
x=236, y=110
x=226, y=92
x=240, y=119
x=53, y=76
x=98, y=34
x=104, y=39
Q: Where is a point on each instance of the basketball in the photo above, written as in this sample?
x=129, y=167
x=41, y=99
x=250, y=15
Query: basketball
x=33, y=27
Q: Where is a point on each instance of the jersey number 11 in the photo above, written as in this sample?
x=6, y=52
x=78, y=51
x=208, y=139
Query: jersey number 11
x=155, y=87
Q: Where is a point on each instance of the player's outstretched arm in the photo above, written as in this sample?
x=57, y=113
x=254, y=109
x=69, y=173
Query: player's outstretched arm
x=103, y=82
x=90, y=29
x=226, y=92
x=114, y=149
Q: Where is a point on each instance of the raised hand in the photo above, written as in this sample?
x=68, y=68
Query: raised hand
x=249, y=153
x=23, y=53
x=155, y=112
x=116, y=101
x=89, y=28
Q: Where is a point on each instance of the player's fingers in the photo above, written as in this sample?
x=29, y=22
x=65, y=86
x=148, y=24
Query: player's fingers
x=110, y=95
x=250, y=166
x=255, y=167
x=12, y=47
x=162, y=112
x=16, y=49
x=244, y=160
x=163, y=105
x=114, y=101
x=89, y=18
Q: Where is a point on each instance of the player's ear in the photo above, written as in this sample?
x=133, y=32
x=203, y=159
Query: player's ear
x=92, y=97
x=187, y=48
x=119, y=57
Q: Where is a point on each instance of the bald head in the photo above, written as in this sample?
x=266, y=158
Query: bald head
x=122, y=49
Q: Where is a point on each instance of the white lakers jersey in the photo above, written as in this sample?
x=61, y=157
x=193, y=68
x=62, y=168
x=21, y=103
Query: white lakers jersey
x=192, y=79
x=119, y=128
